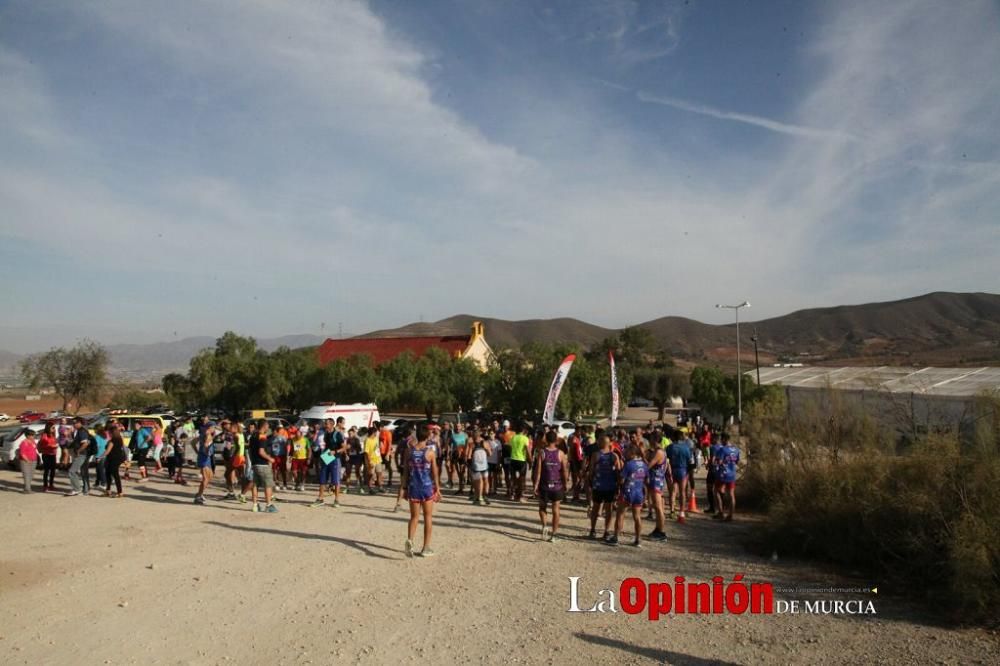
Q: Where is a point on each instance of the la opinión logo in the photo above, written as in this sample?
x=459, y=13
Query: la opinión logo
x=635, y=596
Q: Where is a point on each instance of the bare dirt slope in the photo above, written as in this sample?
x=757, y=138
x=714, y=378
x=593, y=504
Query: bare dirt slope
x=154, y=579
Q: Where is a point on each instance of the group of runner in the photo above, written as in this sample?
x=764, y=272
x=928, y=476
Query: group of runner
x=616, y=473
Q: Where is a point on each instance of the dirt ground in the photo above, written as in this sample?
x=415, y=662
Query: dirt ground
x=154, y=579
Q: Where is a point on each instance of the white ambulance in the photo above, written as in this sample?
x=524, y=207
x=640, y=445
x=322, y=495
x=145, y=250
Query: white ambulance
x=356, y=415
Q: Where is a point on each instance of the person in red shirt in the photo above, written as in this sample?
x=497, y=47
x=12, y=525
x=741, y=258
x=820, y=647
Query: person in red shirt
x=385, y=449
x=48, y=447
x=27, y=456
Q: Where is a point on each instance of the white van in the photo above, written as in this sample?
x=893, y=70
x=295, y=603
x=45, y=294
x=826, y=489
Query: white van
x=356, y=415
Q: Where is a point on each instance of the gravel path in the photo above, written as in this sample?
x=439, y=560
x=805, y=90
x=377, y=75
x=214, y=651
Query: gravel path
x=154, y=579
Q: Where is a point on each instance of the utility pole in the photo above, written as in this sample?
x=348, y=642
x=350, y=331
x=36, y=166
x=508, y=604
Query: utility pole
x=756, y=358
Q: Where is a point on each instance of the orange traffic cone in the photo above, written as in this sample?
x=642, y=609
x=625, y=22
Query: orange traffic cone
x=693, y=505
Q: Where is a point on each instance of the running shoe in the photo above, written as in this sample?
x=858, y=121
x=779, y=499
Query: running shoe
x=272, y=509
x=592, y=534
x=486, y=501
x=199, y=500
x=426, y=552
x=553, y=538
x=230, y=496
x=336, y=504
x=637, y=544
x=727, y=519
x=71, y=493
x=681, y=519
x=317, y=503
x=395, y=509
x=255, y=508
x=242, y=499
x=408, y=548
x=611, y=540
x=546, y=533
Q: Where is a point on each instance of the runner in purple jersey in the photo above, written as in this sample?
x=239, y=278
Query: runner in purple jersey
x=551, y=480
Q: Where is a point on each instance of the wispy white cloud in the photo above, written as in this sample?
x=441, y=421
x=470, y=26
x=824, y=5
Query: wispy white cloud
x=332, y=177
x=756, y=121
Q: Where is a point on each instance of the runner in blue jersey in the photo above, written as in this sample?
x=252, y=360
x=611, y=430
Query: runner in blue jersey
x=679, y=455
x=710, y=456
x=659, y=469
x=726, y=458
x=551, y=481
x=633, y=493
x=420, y=481
x=602, y=478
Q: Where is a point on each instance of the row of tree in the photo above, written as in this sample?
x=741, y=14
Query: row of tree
x=236, y=375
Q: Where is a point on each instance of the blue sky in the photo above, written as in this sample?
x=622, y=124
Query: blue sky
x=184, y=168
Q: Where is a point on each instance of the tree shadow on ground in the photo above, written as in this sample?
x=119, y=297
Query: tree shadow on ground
x=364, y=547
x=661, y=656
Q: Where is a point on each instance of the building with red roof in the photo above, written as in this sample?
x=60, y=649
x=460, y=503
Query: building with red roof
x=380, y=350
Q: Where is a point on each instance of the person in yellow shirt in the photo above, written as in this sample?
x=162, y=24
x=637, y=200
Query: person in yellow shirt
x=301, y=447
x=520, y=454
x=373, y=462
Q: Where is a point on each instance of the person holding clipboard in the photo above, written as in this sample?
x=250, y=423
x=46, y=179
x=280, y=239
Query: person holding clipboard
x=330, y=447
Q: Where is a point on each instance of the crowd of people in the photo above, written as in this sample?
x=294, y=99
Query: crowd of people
x=618, y=473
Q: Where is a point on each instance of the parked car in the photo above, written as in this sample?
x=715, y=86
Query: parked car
x=31, y=417
x=127, y=423
x=640, y=402
x=12, y=441
x=564, y=428
x=395, y=424
x=4, y=417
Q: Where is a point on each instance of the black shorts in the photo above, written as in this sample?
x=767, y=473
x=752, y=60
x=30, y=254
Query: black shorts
x=518, y=466
x=603, y=496
x=456, y=458
x=552, y=496
x=492, y=467
x=357, y=459
x=140, y=456
x=575, y=465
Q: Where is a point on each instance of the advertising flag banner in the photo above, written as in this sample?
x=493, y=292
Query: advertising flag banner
x=549, y=414
x=614, y=389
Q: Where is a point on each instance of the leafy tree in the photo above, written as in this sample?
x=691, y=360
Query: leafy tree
x=76, y=374
x=660, y=384
x=716, y=392
x=465, y=381
x=235, y=375
x=712, y=392
x=179, y=389
x=298, y=370
x=133, y=399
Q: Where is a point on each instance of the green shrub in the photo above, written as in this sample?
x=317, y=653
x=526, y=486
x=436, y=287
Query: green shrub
x=925, y=521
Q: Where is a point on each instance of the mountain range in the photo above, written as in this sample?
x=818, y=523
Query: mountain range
x=940, y=328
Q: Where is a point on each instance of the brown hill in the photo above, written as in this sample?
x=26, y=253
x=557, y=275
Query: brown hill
x=503, y=333
x=935, y=329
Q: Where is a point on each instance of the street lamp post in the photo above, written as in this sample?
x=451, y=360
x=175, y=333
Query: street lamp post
x=739, y=371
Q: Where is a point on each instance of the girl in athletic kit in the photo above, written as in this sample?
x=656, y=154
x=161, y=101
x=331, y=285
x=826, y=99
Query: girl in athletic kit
x=420, y=481
x=602, y=472
x=633, y=493
x=551, y=477
x=659, y=469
